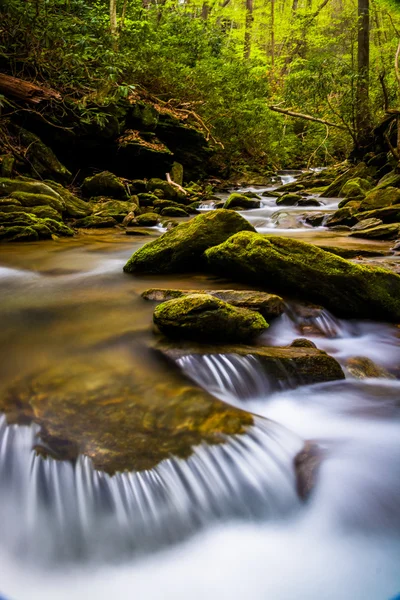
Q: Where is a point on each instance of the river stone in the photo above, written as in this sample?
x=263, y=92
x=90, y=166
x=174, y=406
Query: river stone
x=362, y=367
x=27, y=199
x=170, y=192
x=343, y=216
x=308, y=202
x=366, y=224
x=315, y=219
x=122, y=418
x=137, y=186
x=288, y=366
x=288, y=200
x=93, y=222
x=104, y=184
x=282, y=264
x=334, y=189
x=146, y=199
x=74, y=207
x=269, y=305
x=149, y=219
x=381, y=232
x=181, y=249
x=117, y=209
x=207, y=318
x=30, y=186
x=174, y=211
x=307, y=464
x=390, y=214
x=355, y=188
x=241, y=201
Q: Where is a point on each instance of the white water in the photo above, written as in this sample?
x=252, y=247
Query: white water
x=253, y=538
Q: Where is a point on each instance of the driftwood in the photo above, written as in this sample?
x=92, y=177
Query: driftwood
x=179, y=187
x=290, y=113
x=25, y=91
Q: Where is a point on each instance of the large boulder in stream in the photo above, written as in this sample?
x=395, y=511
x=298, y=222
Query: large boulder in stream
x=181, y=249
x=380, y=198
x=241, y=201
x=269, y=305
x=303, y=270
x=204, y=317
x=104, y=184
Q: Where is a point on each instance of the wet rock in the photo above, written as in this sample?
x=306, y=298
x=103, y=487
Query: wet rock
x=282, y=265
x=307, y=464
x=177, y=173
x=122, y=418
x=354, y=252
x=390, y=214
x=343, y=216
x=355, y=188
x=241, y=201
x=391, y=179
x=381, y=232
x=137, y=232
x=315, y=219
x=288, y=200
x=74, y=207
x=18, y=234
x=174, y=211
x=302, y=343
x=27, y=199
x=137, y=186
x=308, y=202
x=289, y=366
x=293, y=186
x=147, y=219
x=380, y=198
x=334, y=190
x=207, y=318
x=181, y=249
x=170, y=192
x=44, y=227
x=104, y=184
x=252, y=195
x=396, y=246
x=269, y=305
x=93, y=222
x=366, y=224
x=116, y=209
x=146, y=199
x=362, y=367
x=30, y=186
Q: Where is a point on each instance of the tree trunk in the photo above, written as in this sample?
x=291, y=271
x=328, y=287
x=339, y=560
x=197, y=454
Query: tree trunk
x=273, y=34
x=26, y=91
x=363, y=120
x=248, y=28
x=205, y=11
x=113, y=19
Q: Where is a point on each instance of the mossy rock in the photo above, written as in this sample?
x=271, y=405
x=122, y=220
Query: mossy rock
x=334, y=189
x=308, y=202
x=181, y=249
x=9, y=202
x=137, y=186
x=30, y=186
x=147, y=199
x=174, y=211
x=75, y=207
x=149, y=219
x=288, y=200
x=241, y=201
x=116, y=209
x=206, y=318
x=366, y=224
x=122, y=418
x=7, y=165
x=381, y=232
x=285, y=265
x=343, y=216
x=315, y=219
x=269, y=306
x=170, y=191
x=252, y=195
x=160, y=204
x=193, y=207
x=391, y=179
x=44, y=227
x=27, y=199
x=389, y=214
x=18, y=234
x=177, y=173
x=104, y=184
x=362, y=367
x=380, y=198
x=355, y=188
x=93, y=222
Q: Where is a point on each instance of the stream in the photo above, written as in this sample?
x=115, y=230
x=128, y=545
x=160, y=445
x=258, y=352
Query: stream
x=226, y=523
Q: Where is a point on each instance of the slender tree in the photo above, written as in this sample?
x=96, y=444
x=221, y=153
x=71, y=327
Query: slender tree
x=363, y=119
x=248, y=28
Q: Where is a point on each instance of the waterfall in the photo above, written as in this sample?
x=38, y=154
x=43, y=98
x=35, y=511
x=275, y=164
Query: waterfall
x=53, y=510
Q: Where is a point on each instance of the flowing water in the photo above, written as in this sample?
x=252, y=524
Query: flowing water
x=227, y=522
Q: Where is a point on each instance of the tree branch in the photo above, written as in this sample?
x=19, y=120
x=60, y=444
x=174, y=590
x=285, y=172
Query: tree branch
x=290, y=113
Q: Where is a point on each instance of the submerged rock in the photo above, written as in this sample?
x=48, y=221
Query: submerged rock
x=181, y=249
x=282, y=264
x=362, y=367
x=123, y=418
x=307, y=464
x=207, y=318
x=269, y=305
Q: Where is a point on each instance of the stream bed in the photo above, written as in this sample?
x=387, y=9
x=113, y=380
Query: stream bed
x=235, y=527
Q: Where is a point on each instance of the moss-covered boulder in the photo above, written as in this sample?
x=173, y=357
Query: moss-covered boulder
x=149, y=219
x=355, y=188
x=104, y=184
x=334, y=189
x=269, y=306
x=362, y=367
x=181, y=249
x=389, y=214
x=177, y=173
x=342, y=216
x=380, y=232
x=174, y=211
x=391, y=179
x=12, y=223
x=75, y=207
x=27, y=199
x=18, y=233
x=366, y=224
x=137, y=186
x=281, y=264
x=170, y=192
x=380, y=198
x=308, y=202
x=30, y=186
x=241, y=201
x=288, y=200
x=44, y=163
x=206, y=318
x=146, y=199
x=93, y=222
x=116, y=209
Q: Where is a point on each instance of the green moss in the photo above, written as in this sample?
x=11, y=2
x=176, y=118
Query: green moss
x=241, y=201
x=287, y=265
x=42, y=159
x=343, y=216
x=181, y=249
x=116, y=209
x=30, y=186
x=170, y=191
x=18, y=234
x=147, y=199
x=104, y=184
x=74, y=206
x=95, y=222
x=334, y=189
x=177, y=173
x=355, y=188
x=380, y=198
x=27, y=199
x=288, y=200
x=205, y=317
x=149, y=219
x=174, y=211
x=44, y=227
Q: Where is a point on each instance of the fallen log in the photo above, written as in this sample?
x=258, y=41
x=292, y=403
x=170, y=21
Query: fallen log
x=25, y=91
